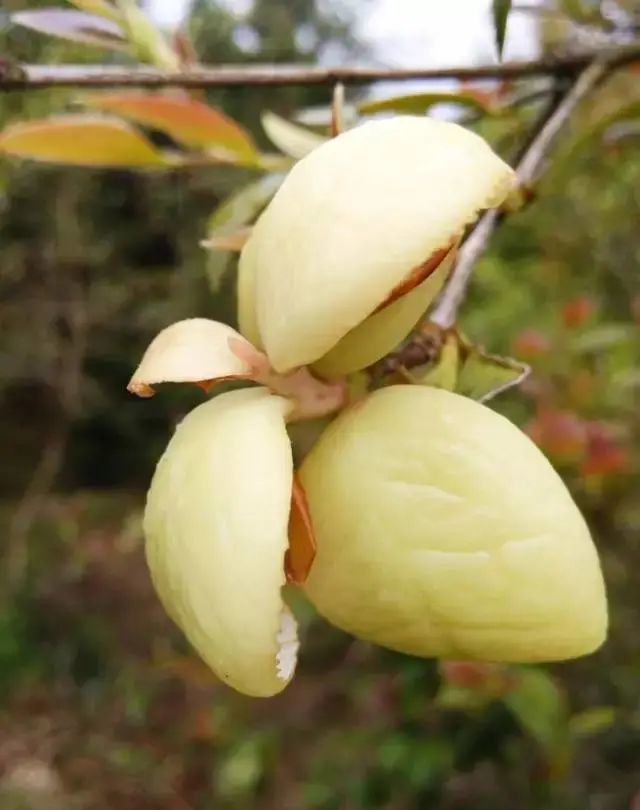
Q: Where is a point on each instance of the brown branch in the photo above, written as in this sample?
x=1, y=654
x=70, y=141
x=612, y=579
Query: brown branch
x=28, y=77
x=528, y=169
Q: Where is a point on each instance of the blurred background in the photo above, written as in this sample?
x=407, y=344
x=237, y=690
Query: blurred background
x=102, y=704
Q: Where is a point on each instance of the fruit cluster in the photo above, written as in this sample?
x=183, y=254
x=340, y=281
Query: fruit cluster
x=420, y=519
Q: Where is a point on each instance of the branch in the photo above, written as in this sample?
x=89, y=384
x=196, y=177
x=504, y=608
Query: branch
x=424, y=346
x=528, y=169
x=29, y=77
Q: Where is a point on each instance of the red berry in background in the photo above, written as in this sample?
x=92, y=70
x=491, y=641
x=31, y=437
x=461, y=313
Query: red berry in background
x=481, y=676
x=530, y=344
x=605, y=455
x=577, y=311
x=559, y=433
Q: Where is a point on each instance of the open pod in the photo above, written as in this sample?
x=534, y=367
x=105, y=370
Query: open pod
x=359, y=226
x=217, y=531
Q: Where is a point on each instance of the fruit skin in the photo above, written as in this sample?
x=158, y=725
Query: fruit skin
x=353, y=219
x=216, y=534
x=381, y=332
x=443, y=531
x=192, y=350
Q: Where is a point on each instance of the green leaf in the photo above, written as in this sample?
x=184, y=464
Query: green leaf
x=444, y=372
x=80, y=140
x=500, y=10
x=146, y=40
x=469, y=370
x=77, y=26
x=583, y=12
x=603, y=337
x=101, y=7
x=484, y=376
x=235, y=213
x=625, y=114
x=539, y=707
x=592, y=721
x=291, y=139
x=418, y=103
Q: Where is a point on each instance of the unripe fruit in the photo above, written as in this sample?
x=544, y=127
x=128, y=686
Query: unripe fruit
x=349, y=228
x=216, y=525
x=443, y=531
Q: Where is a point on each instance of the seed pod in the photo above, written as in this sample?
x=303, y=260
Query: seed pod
x=216, y=525
x=443, y=531
x=356, y=225
x=195, y=350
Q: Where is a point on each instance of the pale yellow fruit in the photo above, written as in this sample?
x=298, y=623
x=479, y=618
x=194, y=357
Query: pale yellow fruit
x=216, y=535
x=353, y=219
x=246, y=296
x=382, y=332
x=443, y=531
x=193, y=350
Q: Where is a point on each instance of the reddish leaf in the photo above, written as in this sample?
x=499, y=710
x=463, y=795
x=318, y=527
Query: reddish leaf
x=188, y=121
x=561, y=434
x=530, y=343
x=604, y=456
x=478, y=675
x=577, y=311
x=79, y=140
x=77, y=26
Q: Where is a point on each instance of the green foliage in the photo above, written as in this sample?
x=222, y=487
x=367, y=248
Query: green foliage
x=500, y=10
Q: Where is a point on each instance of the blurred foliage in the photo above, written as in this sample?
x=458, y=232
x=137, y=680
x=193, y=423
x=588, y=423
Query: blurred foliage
x=101, y=703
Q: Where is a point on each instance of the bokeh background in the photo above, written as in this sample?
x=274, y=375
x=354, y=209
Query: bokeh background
x=102, y=705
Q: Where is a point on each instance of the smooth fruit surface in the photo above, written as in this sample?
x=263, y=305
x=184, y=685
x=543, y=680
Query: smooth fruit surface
x=216, y=536
x=443, y=531
x=352, y=220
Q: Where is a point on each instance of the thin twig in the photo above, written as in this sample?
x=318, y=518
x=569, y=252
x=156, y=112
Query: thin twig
x=528, y=169
x=337, y=110
x=28, y=77
x=425, y=344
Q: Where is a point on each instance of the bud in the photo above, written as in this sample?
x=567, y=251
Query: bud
x=443, y=531
x=358, y=225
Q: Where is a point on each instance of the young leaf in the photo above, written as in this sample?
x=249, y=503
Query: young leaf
x=80, y=140
x=290, y=138
x=233, y=215
x=539, y=707
x=101, y=7
x=500, y=10
x=444, y=372
x=484, y=376
x=418, y=103
x=147, y=42
x=77, y=26
x=625, y=114
x=469, y=370
x=186, y=120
